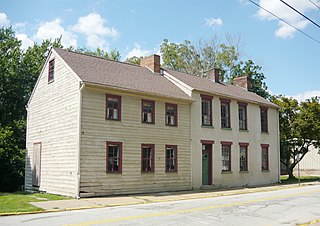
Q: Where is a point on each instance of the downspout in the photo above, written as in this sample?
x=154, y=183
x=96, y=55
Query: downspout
x=278, y=146
x=26, y=156
x=82, y=85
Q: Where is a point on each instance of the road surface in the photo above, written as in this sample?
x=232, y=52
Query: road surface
x=282, y=207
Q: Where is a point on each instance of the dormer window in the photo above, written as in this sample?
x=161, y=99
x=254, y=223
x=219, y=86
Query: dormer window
x=51, y=71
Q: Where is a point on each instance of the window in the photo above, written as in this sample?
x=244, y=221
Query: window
x=206, y=107
x=51, y=71
x=171, y=158
x=242, y=110
x=243, y=156
x=147, y=158
x=113, y=107
x=114, y=157
x=264, y=119
x=264, y=157
x=226, y=156
x=148, y=110
x=225, y=113
x=171, y=114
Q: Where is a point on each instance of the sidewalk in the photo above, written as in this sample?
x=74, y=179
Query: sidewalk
x=110, y=201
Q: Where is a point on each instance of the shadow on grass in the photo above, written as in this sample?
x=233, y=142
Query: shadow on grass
x=295, y=180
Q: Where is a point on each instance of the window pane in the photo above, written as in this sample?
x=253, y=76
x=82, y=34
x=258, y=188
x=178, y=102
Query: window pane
x=243, y=158
x=226, y=157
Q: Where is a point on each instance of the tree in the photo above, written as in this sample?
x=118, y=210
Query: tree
x=299, y=129
x=112, y=55
x=256, y=77
x=19, y=71
x=134, y=60
x=207, y=54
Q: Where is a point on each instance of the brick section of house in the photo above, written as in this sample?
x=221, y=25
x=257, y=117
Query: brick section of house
x=242, y=81
x=152, y=62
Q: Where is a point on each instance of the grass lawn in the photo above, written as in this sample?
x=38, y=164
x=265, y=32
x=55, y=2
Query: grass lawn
x=285, y=179
x=19, y=201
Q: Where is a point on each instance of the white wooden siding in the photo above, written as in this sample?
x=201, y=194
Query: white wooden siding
x=132, y=133
x=53, y=121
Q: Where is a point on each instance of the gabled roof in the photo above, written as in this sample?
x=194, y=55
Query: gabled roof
x=221, y=89
x=115, y=74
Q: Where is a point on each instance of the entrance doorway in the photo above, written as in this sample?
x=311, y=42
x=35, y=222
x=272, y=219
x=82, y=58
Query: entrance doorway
x=207, y=162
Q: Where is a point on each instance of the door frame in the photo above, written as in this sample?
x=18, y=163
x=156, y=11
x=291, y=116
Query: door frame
x=35, y=179
x=209, y=152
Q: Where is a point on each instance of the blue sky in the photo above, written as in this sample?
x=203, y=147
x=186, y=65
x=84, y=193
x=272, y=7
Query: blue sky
x=290, y=60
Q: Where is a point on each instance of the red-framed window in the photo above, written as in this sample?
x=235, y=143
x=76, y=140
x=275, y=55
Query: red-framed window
x=148, y=111
x=226, y=155
x=264, y=156
x=147, y=157
x=264, y=119
x=171, y=158
x=225, y=113
x=171, y=114
x=242, y=111
x=113, y=107
x=243, y=149
x=114, y=157
x=206, y=109
x=51, y=71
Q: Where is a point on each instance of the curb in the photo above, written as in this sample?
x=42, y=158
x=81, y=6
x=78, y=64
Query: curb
x=207, y=194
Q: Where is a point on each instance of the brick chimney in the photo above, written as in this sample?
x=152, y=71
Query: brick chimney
x=214, y=74
x=151, y=62
x=242, y=81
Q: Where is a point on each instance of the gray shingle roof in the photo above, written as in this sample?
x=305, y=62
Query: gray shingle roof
x=221, y=89
x=121, y=75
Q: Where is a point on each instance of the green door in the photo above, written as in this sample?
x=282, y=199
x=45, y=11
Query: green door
x=205, y=169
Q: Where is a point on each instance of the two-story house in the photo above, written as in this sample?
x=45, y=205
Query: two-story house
x=99, y=127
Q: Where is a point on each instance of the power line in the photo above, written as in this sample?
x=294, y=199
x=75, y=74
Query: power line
x=316, y=5
x=300, y=13
x=285, y=21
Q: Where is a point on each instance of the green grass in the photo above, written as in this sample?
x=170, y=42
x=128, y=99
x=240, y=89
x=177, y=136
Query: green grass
x=285, y=179
x=19, y=201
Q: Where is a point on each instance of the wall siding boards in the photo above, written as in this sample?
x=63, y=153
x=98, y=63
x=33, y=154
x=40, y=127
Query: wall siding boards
x=53, y=121
x=132, y=133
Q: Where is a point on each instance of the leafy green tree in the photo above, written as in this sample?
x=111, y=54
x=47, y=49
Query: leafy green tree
x=299, y=129
x=19, y=71
x=256, y=77
x=134, y=60
x=112, y=55
x=208, y=54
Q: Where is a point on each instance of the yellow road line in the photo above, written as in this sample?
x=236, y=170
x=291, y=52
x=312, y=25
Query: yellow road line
x=310, y=223
x=118, y=219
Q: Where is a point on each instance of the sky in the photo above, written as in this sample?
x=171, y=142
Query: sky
x=289, y=58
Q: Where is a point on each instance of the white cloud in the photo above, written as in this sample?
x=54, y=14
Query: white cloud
x=213, y=22
x=306, y=95
x=138, y=51
x=25, y=41
x=93, y=26
x=53, y=29
x=284, y=12
x=4, y=21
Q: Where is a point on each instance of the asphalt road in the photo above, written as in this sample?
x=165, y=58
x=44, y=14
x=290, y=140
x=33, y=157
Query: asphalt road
x=283, y=207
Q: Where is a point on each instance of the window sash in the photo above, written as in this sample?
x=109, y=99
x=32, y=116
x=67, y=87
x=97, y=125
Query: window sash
x=51, y=71
x=264, y=158
x=113, y=157
x=206, y=106
x=171, y=114
x=264, y=120
x=113, y=107
x=148, y=111
x=242, y=117
x=147, y=158
x=243, y=158
x=225, y=115
x=226, y=158
x=171, y=159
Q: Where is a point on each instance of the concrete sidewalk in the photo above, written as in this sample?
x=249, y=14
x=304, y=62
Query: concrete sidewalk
x=100, y=202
